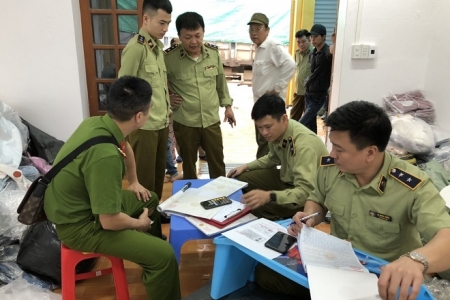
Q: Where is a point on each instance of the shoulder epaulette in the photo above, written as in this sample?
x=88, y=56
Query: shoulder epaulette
x=170, y=49
x=141, y=39
x=212, y=46
x=326, y=161
x=408, y=180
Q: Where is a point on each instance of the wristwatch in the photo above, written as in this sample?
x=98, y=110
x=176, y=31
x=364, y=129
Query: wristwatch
x=273, y=197
x=416, y=256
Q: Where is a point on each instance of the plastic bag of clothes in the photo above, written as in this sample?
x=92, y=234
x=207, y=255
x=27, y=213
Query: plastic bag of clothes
x=412, y=134
x=9, y=225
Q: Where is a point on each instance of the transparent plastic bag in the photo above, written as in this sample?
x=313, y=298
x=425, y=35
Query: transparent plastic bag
x=412, y=134
x=440, y=288
x=9, y=225
x=11, y=115
x=21, y=289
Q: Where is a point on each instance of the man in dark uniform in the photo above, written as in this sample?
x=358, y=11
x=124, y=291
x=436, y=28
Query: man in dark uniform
x=86, y=202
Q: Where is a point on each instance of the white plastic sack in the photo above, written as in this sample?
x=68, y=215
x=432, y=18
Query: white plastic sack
x=412, y=134
x=10, y=143
x=11, y=115
x=21, y=289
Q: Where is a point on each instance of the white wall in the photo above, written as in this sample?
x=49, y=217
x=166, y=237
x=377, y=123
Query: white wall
x=401, y=30
x=42, y=71
x=437, y=77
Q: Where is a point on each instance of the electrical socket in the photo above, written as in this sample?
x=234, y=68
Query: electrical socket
x=365, y=49
x=356, y=51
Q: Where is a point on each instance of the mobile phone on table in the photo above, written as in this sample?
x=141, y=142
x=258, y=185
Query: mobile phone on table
x=281, y=242
x=216, y=202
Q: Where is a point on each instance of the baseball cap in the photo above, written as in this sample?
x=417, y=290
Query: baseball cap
x=318, y=29
x=259, y=18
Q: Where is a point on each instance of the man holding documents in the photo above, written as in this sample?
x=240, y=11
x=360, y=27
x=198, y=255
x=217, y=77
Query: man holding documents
x=273, y=193
x=383, y=205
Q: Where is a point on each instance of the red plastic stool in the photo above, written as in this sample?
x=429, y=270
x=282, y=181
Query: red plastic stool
x=69, y=260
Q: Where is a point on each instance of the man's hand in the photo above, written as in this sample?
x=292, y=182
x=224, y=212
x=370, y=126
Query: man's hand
x=175, y=100
x=144, y=222
x=229, y=116
x=256, y=198
x=141, y=192
x=237, y=171
x=295, y=229
x=402, y=273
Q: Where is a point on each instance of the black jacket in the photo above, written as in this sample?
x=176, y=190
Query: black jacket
x=319, y=81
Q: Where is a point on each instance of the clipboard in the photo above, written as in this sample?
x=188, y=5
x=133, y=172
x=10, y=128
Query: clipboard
x=228, y=220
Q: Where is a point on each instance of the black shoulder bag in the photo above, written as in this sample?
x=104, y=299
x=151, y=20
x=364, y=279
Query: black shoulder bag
x=31, y=209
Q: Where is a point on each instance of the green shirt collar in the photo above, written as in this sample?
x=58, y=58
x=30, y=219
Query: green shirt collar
x=379, y=182
x=112, y=127
x=288, y=133
x=307, y=52
x=151, y=42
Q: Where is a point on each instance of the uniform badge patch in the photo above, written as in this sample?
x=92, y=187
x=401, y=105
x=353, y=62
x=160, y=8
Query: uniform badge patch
x=211, y=46
x=122, y=149
x=326, y=161
x=291, y=146
x=380, y=216
x=182, y=54
x=141, y=39
x=284, y=144
x=382, y=184
x=408, y=180
x=170, y=49
x=151, y=45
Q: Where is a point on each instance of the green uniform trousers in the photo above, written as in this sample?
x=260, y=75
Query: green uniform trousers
x=271, y=281
x=263, y=145
x=210, y=139
x=150, y=150
x=155, y=256
x=269, y=180
x=298, y=107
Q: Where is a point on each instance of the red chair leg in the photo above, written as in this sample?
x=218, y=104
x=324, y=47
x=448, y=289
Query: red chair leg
x=120, y=278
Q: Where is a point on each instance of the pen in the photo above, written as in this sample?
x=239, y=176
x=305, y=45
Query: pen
x=307, y=218
x=186, y=186
x=233, y=213
x=231, y=175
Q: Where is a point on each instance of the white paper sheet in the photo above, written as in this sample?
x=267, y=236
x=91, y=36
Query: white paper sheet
x=229, y=211
x=338, y=284
x=321, y=249
x=188, y=202
x=255, y=234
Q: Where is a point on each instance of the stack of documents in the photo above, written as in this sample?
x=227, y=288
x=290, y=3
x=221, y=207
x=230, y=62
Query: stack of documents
x=334, y=271
x=186, y=202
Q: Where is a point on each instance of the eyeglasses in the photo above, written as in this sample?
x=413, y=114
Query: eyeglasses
x=255, y=30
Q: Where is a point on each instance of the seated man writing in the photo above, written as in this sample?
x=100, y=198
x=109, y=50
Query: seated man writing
x=381, y=204
x=86, y=202
x=273, y=193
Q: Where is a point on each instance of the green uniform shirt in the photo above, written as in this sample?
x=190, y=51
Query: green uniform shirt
x=303, y=69
x=298, y=153
x=143, y=58
x=386, y=217
x=92, y=183
x=201, y=83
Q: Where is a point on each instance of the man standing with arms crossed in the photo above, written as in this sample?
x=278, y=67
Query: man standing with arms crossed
x=195, y=74
x=273, y=68
x=317, y=84
x=302, y=72
x=143, y=58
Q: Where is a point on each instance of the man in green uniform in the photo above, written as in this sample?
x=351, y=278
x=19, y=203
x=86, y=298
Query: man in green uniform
x=143, y=58
x=273, y=193
x=86, y=202
x=196, y=78
x=302, y=72
x=381, y=204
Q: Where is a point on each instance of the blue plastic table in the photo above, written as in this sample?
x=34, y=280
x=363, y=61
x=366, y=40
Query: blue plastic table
x=234, y=266
x=181, y=230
